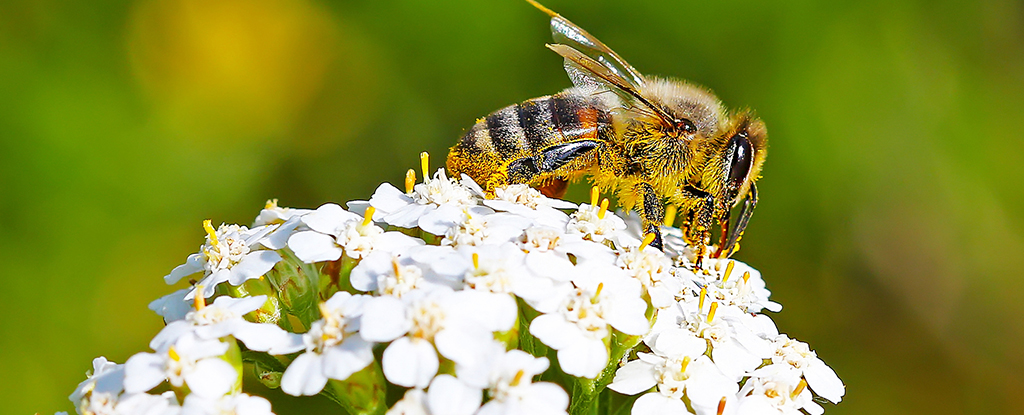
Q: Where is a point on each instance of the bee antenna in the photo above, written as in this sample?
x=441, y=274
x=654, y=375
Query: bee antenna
x=542, y=8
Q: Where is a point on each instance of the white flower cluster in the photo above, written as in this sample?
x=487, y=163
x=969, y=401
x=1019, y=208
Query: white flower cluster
x=461, y=304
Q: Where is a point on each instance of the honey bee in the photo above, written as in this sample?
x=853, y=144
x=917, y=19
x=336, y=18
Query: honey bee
x=648, y=140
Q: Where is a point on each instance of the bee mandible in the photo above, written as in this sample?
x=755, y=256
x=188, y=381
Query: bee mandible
x=649, y=140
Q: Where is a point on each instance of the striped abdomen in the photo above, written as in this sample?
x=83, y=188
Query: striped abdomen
x=524, y=131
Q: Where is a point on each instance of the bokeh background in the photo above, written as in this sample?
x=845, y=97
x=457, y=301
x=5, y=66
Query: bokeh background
x=890, y=224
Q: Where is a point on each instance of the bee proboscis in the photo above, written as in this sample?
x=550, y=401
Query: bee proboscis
x=649, y=140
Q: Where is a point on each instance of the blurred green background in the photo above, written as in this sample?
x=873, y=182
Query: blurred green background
x=890, y=200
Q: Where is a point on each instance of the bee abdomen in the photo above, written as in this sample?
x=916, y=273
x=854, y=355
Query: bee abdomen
x=524, y=129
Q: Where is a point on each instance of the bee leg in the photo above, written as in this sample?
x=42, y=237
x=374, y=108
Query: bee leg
x=653, y=213
x=549, y=160
x=699, y=232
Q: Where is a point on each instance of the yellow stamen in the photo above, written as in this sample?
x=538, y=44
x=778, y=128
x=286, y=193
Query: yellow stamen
x=518, y=378
x=271, y=204
x=728, y=270
x=173, y=354
x=594, y=298
x=410, y=180
x=208, y=225
x=647, y=241
x=721, y=406
x=394, y=267
x=604, y=209
x=670, y=215
x=684, y=364
x=425, y=165
x=703, y=293
x=324, y=311
x=799, y=388
x=746, y=276
x=594, y=194
x=711, y=312
x=476, y=260
x=368, y=215
x=198, y=300
x=583, y=313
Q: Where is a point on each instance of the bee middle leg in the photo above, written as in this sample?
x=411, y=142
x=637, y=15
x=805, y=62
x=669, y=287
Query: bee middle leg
x=652, y=212
x=699, y=220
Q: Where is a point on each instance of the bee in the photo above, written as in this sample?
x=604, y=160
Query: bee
x=648, y=140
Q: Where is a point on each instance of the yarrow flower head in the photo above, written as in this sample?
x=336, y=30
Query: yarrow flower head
x=462, y=302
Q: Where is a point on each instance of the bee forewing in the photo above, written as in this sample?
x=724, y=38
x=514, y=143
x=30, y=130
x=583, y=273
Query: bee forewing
x=565, y=32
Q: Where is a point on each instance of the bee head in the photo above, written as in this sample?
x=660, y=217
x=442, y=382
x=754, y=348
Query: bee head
x=744, y=155
x=695, y=112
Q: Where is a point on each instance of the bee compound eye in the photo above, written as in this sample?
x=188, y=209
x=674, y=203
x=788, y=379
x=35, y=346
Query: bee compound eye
x=742, y=158
x=686, y=126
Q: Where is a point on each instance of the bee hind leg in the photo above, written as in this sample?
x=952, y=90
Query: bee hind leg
x=549, y=160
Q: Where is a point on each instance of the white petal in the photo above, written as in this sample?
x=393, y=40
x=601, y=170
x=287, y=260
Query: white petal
x=464, y=346
x=143, y=372
x=261, y=337
x=410, y=362
x=329, y=218
x=656, y=403
x=491, y=311
x=707, y=385
x=584, y=359
x=551, y=265
x=824, y=381
x=633, y=378
x=172, y=307
x=387, y=199
x=304, y=376
x=545, y=398
x=678, y=342
x=439, y=220
x=253, y=265
x=449, y=396
x=384, y=319
x=554, y=331
x=212, y=378
x=351, y=356
x=192, y=265
x=408, y=216
x=170, y=334
x=310, y=246
x=278, y=239
x=733, y=359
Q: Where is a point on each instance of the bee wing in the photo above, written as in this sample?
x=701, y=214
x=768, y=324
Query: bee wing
x=593, y=65
x=565, y=32
x=590, y=74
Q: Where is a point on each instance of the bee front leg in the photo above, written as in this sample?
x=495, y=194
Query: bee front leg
x=652, y=213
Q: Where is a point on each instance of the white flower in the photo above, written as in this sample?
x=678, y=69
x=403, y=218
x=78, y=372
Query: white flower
x=680, y=369
x=797, y=355
x=526, y=201
x=447, y=395
x=188, y=361
x=225, y=318
x=513, y=392
x=334, y=349
x=385, y=273
x=459, y=324
x=734, y=283
x=549, y=249
x=579, y=329
x=106, y=378
x=272, y=214
x=777, y=390
x=595, y=223
x=334, y=231
x=235, y=404
x=412, y=403
x=433, y=206
x=229, y=254
x=486, y=229
x=654, y=271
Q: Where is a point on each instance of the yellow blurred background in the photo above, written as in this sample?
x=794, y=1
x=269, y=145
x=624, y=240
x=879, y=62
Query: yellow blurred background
x=892, y=199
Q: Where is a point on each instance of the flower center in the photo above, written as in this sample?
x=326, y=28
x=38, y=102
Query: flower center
x=540, y=239
x=427, y=320
x=404, y=278
x=520, y=194
x=586, y=310
x=224, y=247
